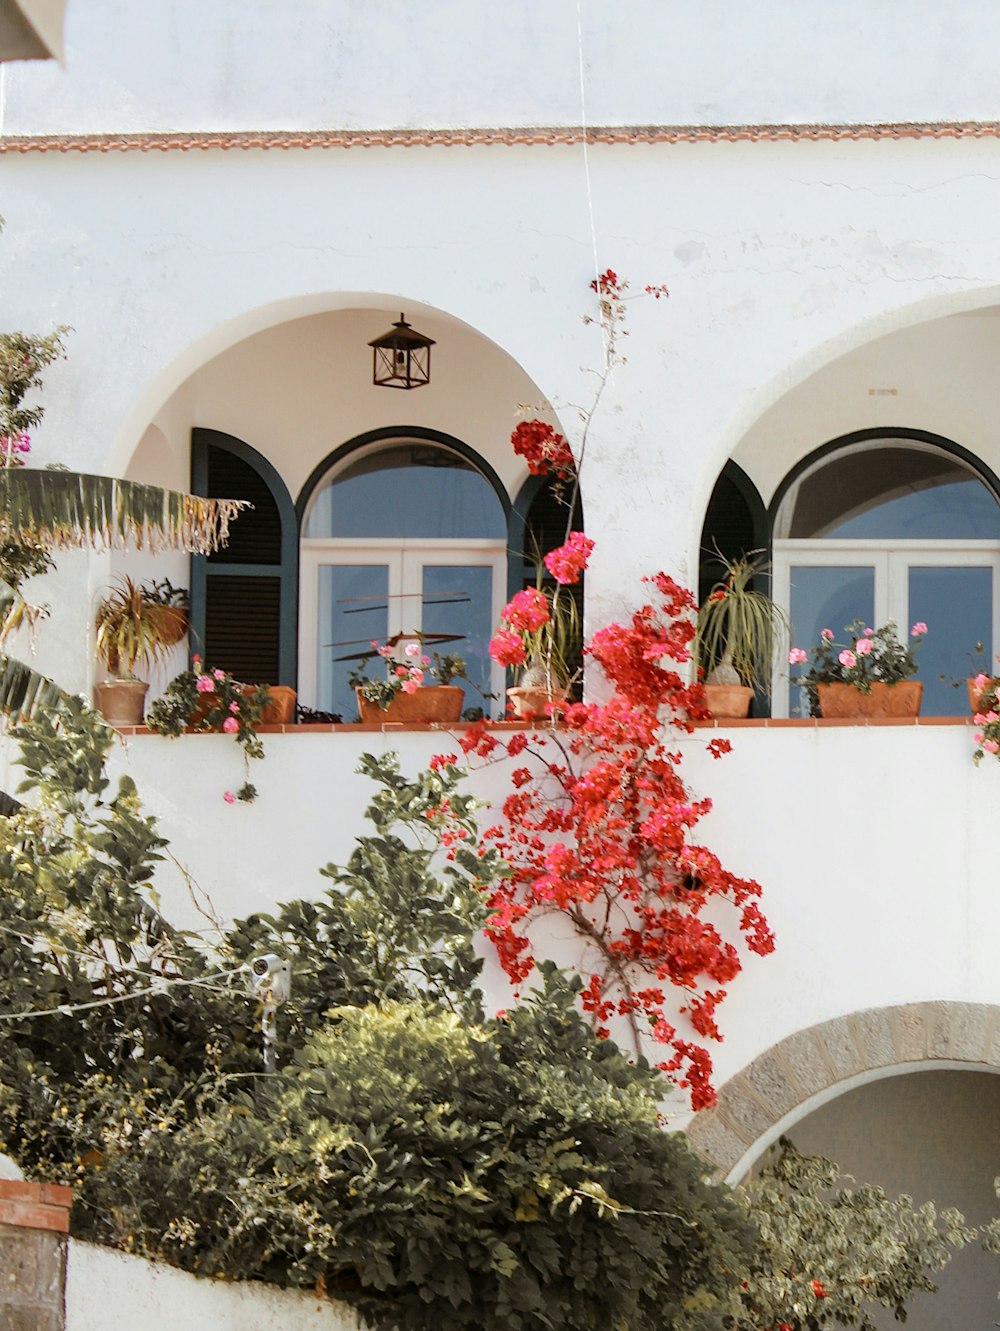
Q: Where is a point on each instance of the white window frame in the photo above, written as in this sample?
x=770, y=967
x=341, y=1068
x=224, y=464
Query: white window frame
x=405, y=560
x=891, y=561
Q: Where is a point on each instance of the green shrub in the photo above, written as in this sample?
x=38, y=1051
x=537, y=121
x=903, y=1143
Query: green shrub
x=415, y=1156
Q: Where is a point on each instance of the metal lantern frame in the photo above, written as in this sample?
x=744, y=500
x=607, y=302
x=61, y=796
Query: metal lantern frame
x=401, y=357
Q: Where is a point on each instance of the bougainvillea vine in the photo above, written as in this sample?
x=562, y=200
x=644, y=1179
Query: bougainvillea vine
x=598, y=826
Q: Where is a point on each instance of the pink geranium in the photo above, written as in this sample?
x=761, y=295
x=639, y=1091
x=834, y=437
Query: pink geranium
x=919, y=629
x=205, y=684
x=229, y=797
x=798, y=656
x=847, y=658
x=567, y=562
x=864, y=646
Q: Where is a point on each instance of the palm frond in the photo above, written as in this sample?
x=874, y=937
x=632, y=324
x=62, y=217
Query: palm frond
x=23, y=690
x=73, y=510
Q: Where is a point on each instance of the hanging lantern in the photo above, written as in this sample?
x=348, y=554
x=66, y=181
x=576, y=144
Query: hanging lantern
x=402, y=357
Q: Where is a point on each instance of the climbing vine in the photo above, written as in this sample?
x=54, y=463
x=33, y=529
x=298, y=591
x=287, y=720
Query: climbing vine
x=598, y=826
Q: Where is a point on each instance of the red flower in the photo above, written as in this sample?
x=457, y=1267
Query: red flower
x=819, y=1290
x=528, y=610
x=506, y=648
x=544, y=449
x=568, y=561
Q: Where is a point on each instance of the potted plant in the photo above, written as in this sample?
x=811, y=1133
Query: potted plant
x=539, y=630
x=872, y=676
x=402, y=695
x=135, y=622
x=735, y=636
x=201, y=699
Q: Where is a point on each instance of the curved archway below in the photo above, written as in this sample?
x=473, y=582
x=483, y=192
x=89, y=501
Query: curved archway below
x=803, y=1071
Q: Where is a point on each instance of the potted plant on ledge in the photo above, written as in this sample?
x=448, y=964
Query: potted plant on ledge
x=734, y=643
x=402, y=695
x=135, y=622
x=871, y=677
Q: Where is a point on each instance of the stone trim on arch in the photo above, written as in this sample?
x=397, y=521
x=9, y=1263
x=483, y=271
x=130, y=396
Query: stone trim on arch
x=811, y=1061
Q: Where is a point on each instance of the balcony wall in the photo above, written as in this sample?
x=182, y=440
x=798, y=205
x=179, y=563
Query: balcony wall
x=876, y=846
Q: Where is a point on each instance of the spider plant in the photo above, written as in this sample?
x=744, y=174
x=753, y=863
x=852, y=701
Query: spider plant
x=737, y=627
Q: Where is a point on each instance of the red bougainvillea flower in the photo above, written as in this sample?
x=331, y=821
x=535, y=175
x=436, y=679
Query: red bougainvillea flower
x=528, y=610
x=544, y=449
x=507, y=648
x=568, y=561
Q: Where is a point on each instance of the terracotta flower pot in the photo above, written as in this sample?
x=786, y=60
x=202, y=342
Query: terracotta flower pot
x=529, y=703
x=441, y=703
x=976, y=696
x=728, y=701
x=280, y=711
x=170, y=622
x=845, y=701
x=122, y=702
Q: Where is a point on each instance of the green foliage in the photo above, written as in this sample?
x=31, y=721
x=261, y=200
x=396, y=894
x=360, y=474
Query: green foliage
x=423, y=1160
x=23, y=357
x=139, y=622
x=830, y=1255
x=738, y=627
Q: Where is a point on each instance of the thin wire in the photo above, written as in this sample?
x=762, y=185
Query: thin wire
x=67, y=1009
x=586, y=156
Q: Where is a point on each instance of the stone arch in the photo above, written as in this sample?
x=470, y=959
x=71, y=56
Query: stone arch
x=813, y=1065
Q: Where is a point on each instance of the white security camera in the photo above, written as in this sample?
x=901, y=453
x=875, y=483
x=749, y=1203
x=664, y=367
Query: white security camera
x=270, y=977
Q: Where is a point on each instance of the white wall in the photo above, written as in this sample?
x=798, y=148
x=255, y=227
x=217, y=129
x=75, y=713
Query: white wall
x=779, y=258
x=131, y=65
x=873, y=845
x=112, y=1291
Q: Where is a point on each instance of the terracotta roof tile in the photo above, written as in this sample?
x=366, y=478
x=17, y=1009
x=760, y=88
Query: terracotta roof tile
x=529, y=136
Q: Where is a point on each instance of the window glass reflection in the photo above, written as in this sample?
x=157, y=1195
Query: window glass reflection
x=408, y=490
x=893, y=492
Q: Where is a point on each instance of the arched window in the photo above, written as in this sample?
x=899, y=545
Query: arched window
x=901, y=527
x=399, y=534
x=539, y=523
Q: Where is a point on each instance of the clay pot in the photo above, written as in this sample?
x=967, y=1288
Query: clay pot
x=440, y=703
x=728, y=701
x=844, y=701
x=122, y=702
x=529, y=703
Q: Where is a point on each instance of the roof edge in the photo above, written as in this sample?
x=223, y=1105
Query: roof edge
x=530, y=136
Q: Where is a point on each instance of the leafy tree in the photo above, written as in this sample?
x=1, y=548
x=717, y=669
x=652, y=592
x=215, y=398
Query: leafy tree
x=830, y=1255
x=413, y=1155
x=53, y=509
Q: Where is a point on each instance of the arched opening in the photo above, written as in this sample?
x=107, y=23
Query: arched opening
x=892, y=525
x=402, y=532
x=933, y=1136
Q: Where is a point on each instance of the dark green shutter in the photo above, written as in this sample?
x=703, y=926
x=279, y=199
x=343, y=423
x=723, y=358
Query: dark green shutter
x=243, y=598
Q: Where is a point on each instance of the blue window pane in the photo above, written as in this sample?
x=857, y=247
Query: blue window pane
x=827, y=598
x=353, y=611
x=956, y=604
x=411, y=491
x=894, y=492
x=458, y=603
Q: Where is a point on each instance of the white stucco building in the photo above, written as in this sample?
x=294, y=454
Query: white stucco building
x=227, y=201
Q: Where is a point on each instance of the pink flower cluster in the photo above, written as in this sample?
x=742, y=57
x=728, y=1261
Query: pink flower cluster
x=411, y=676
x=11, y=448
x=568, y=561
